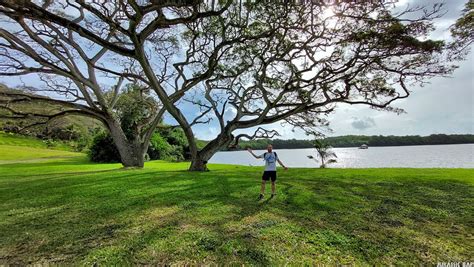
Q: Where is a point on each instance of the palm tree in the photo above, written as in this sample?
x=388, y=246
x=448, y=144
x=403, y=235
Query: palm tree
x=325, y=153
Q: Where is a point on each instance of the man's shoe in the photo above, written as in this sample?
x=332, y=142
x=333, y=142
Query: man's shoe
x=272, y=196
x=260, y=197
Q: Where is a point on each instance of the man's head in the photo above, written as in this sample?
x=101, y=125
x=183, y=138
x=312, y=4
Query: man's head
x=269, y=148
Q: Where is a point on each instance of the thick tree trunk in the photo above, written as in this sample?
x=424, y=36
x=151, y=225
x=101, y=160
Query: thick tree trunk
x=199, y=159
x=132, y=153
x=199, y=164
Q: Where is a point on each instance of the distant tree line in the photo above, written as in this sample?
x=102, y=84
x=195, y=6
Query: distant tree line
x=358, y=140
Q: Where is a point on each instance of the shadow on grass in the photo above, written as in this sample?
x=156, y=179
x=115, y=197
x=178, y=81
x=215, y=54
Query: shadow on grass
x=152, y=217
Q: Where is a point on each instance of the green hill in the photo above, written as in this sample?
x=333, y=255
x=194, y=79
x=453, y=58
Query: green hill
x=70, y=128
x=16, y=148
x=20, y=140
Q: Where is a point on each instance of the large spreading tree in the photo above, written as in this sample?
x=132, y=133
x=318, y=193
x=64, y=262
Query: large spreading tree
x=242, y=64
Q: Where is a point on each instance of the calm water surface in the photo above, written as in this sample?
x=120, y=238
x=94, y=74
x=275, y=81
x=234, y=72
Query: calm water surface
x=438, y=156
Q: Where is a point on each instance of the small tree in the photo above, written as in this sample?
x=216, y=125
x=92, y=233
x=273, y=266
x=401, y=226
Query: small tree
x=325, y=153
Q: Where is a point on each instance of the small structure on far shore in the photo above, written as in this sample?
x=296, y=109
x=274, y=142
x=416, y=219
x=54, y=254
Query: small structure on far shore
x=364, y=146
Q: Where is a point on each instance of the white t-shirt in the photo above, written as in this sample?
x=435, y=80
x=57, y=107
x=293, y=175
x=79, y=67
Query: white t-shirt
x=270, y=159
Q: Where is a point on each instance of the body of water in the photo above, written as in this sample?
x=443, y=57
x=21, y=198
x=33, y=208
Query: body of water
x=430, y=156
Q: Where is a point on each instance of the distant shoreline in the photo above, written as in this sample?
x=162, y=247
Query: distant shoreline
x=243, y=149
x=358, y=140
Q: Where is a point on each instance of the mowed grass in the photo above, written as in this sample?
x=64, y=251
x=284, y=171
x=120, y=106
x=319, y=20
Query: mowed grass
x=70, y=211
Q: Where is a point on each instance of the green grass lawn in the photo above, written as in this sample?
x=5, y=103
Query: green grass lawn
x=67, y=210
x=30, y=142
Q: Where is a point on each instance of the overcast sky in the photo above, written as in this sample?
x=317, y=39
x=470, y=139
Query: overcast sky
x=446, y=105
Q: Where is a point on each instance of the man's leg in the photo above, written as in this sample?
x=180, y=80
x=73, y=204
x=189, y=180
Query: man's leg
x=274, y=177
x=262, y=188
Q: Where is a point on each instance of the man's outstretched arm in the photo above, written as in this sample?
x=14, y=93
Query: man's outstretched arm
x=253, y=154
x=281, y=163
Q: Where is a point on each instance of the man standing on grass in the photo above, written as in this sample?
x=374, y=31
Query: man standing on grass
x=270, y=158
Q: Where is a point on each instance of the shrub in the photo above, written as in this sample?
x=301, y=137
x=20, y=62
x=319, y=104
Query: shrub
x=177, y=139
x=170, y=144
x=81, y=145
x=103, y=149
x=49, y=143
x=177, y=154
x=159, y=148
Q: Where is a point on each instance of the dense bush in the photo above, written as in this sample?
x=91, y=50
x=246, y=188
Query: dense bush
x=177, y=140
x=159, y=148
x=103, y=149
x=168, y=144
x=165, y=144
x=82, y=144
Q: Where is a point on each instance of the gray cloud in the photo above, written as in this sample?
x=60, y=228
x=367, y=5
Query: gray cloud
x=363, y=123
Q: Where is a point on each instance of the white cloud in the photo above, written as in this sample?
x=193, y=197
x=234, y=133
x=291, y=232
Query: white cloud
x=362, y=123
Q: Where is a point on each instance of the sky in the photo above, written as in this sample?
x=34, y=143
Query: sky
x=445, y=105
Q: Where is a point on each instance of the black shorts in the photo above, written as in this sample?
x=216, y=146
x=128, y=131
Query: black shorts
x=269, y=174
